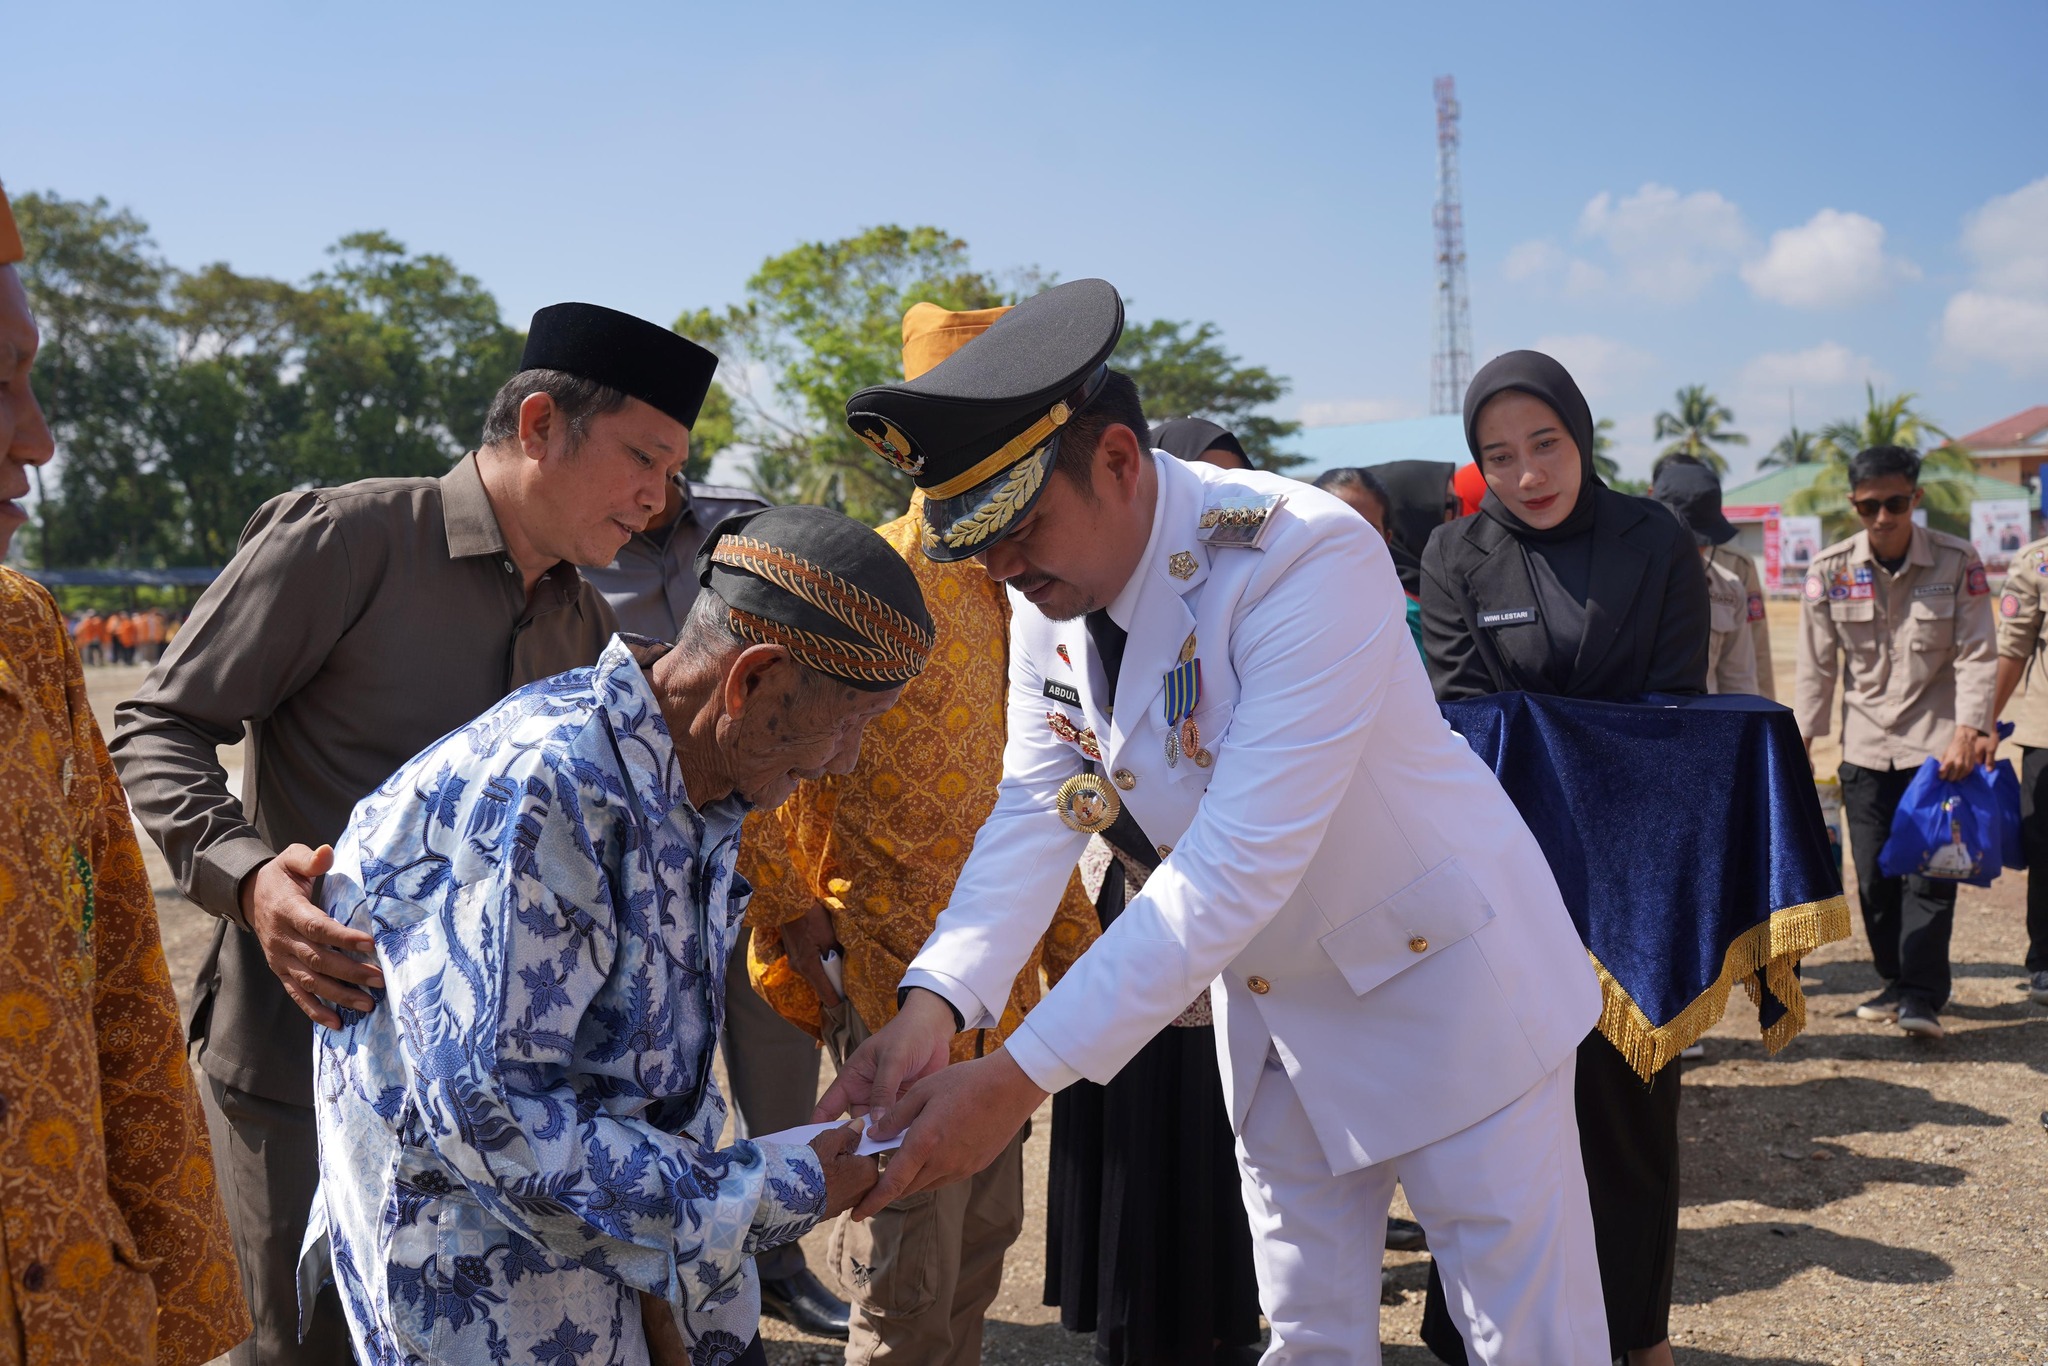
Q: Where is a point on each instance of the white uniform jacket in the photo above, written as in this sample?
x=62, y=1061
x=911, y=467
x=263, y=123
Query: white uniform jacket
x=1373, y=910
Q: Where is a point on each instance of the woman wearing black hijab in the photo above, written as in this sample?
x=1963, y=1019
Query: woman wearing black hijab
x=1560, y=585
x=1195, y=438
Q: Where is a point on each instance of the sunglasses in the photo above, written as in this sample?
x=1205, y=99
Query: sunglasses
x=1898, y=505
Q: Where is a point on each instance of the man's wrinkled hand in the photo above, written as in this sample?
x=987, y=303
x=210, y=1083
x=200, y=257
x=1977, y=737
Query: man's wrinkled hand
x=954, y=1124
x=847, y=1178
x=805, y=940
x=1963, y=753
x=318, y=958
x=915, y=1044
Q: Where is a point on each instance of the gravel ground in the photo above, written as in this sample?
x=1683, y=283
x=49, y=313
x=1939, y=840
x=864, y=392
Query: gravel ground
x=1862, y=1197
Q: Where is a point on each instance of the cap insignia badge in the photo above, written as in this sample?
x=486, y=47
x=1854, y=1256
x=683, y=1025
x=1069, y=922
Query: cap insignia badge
x=885, y=440
x=1240, y=523
x=1181, y=565
x=1087, y=804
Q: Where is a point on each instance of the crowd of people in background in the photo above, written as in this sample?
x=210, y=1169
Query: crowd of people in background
x=135, y=636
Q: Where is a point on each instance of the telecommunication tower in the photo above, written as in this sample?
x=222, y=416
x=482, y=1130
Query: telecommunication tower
x=1450, y=368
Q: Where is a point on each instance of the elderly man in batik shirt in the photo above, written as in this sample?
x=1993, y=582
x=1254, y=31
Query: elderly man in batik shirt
x=524, y=1133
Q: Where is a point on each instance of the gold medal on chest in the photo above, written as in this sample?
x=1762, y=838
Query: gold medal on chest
x=1088, y=804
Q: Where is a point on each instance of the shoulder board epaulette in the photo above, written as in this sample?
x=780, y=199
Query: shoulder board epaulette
x=1237, y=520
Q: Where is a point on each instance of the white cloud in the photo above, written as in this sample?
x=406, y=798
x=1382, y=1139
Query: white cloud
x=1601, y=365
x=1830, y=364
x=1666, y=246
x=1832, y=260
x=2008, y=240
x=2002, y=319
x=1534, y=260
x=2002, y=329
x=1335, y=412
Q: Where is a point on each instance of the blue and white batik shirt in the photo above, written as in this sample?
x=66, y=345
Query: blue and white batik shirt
x=523, y=1133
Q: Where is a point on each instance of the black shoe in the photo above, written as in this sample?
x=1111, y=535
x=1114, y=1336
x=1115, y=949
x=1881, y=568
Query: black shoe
x=2037, y=987
x=1920, y=1020
x=1882, y=1008
x=803, y=1302
x=1405, y=1235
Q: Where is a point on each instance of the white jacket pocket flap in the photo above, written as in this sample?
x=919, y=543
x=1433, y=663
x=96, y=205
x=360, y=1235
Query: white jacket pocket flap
x=1431, y=913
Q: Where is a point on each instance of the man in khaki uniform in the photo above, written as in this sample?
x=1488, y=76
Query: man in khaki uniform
x=1903, y=615
x=2022, y=655
x=1693, y=493
x=1730, y=560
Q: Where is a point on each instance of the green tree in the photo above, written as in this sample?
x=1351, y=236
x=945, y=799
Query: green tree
x=402, y=354
x=1700, y=422
x=180, y=402
x=1604, y=463
x=1947, y=471
x=1182, y=370
x=96, y=284
x=1796, y=447
x=1883, y=422
x=818, y=324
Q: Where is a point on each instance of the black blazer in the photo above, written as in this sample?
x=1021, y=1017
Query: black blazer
x=1647, y=617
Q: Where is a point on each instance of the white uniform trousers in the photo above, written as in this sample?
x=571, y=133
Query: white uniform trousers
x=1504, y=1204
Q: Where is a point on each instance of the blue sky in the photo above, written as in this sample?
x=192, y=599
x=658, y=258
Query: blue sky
x=1766, y=198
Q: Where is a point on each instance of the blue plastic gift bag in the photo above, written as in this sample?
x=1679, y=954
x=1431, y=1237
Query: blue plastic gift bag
x=1953, y=831
x=2005, y=784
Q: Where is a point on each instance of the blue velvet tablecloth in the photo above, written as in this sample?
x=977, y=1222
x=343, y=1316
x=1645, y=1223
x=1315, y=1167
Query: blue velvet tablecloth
x=1686, y=837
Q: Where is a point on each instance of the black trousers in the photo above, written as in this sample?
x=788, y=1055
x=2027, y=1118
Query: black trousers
x=1909, y=919
x=2034, y=829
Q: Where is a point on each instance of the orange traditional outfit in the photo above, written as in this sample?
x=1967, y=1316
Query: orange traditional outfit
x=113, y=1244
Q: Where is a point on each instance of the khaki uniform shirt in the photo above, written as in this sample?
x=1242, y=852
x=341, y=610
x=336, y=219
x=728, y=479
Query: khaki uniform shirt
x=1744, y=568
x=1731, y=645
x=2020, y=608
x=355, y=626
x=1914, y=651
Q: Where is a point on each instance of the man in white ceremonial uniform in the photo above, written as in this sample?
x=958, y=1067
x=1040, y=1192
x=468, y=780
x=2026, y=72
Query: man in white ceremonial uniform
x=1215, y=665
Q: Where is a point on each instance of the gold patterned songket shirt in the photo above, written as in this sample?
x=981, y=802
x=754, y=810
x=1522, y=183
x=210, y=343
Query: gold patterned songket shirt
x=115, y=1246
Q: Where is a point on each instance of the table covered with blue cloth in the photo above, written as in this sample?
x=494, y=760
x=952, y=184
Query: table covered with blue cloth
x=1687, y=840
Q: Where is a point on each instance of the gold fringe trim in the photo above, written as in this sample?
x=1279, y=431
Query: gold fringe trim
x=1773, y=948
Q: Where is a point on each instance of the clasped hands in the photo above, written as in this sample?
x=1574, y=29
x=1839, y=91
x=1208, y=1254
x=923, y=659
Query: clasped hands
x=955, y=1120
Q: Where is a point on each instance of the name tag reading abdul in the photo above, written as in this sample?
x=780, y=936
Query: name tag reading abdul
x=1063, y=692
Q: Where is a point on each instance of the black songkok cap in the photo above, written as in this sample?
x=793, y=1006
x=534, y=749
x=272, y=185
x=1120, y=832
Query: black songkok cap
x=980, y=431
x=825, y=588
x=621, y=351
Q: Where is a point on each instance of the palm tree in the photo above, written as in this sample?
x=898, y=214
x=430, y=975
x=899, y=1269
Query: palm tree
x=1945, y=471
x=1697, y=425
x=1885, y=422
x=1796, y=447
x=1604, y=463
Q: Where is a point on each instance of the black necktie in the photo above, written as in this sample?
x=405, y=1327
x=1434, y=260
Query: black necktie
x=1110, y=640
x=1124, y=834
